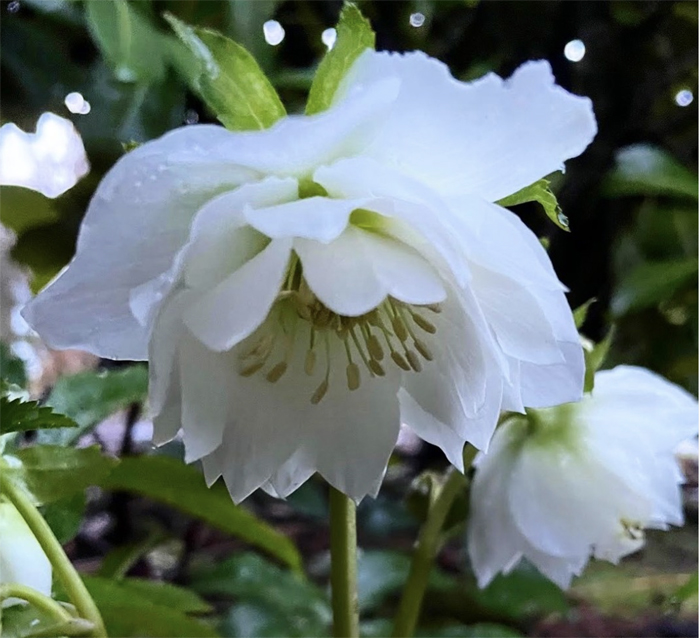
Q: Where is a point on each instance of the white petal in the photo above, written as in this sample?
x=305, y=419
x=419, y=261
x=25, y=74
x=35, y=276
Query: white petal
x=357, y=271
x=493, y=541
x=219, y=241
x=205, y=379
x=489, y=137
x=296, y=145
x=137, y=221
x=238, y=305
x=403, y=199
x=276, y=434
x=542, y=386
x=514, y=314
x=22, y=560
x=318, y=218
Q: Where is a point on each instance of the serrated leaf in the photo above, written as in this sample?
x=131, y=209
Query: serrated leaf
x=90, y=397
x=354, y=36
x=541, y=193
x=131, y=45
x=49, y=473
x=227, y=78
x=135, y=607
x=181, y=486
x=22, y=416
x=643, y=169
x=581, y=312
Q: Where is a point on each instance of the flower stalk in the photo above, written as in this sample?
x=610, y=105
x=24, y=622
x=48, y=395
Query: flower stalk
x=343, y=566
x=49, y=606
x=428, y=545
x=73, y=584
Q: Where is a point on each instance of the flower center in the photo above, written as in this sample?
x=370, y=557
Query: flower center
x=393, y=333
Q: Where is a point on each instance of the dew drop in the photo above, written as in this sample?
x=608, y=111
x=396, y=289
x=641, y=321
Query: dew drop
x=563, y=219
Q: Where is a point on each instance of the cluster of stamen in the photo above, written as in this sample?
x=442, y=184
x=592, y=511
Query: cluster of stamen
x=388, y=335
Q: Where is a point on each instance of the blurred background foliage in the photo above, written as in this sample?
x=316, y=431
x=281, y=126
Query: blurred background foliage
x=261, y=570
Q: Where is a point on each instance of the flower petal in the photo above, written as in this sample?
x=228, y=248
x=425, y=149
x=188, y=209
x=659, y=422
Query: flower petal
x=318, y=218
x=489, y=137
x=354, y=273
x=137, y=221
x=233, y=309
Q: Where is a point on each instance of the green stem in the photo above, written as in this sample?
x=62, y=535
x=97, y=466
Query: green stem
x=427, y=548
x=73, y=584
x=343, y=566
x=35, y=598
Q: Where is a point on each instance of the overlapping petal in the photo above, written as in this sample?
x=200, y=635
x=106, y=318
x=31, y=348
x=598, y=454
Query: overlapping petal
x=489, y=138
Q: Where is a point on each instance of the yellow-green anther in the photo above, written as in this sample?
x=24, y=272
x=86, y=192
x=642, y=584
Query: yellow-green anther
x=413, y=360
x=353, y=374
x=423, y=323
x=252, y=368
x=320, y=392
x=376, y=367
x=399, y=329
x=434, y=307
x=375, y=348
x=276, y=373
x=423, y=350
x=400, y=361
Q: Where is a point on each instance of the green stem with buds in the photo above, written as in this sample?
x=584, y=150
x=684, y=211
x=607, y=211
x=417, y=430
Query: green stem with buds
x=427, y=548
x=343, y=566
x=73, y=584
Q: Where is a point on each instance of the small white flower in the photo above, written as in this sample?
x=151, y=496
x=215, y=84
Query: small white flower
x=22, y=561
x=300, y=291
x=581, y=479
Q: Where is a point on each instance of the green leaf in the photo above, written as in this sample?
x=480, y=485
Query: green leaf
x=227, y=78
x=11, y=368
x=134, y=607
x=354, y=36
x=643, y=169
x=685, y=592
x=65, y=516
x=581, y=312
x=181, y=486
x=541, y=193
x=22, y=416
x=23, y=209
x=50, y=473
x=90, y=397
x=269, y=601
x=594, y=355
x=130, y=44
x=26, y=621
x=653, y=282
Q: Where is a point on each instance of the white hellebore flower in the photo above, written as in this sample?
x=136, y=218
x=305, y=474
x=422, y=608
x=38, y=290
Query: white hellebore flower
x=581, y=479
x=300, y=291
x=22, y=561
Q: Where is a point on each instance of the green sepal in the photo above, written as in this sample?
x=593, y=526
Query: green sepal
x=581, y=313
x=594, y=355
x=541, y=193
x=354, y=36
x=227, y=78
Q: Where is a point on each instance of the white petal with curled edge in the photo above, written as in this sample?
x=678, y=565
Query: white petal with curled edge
x=354, y=273
x=233, y=309
x=137, y=221
x=22, y=560
x=318, y=218
x=406, y=200
x=490, y=137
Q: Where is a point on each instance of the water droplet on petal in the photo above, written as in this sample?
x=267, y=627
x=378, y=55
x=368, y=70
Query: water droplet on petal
x=563, y=219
